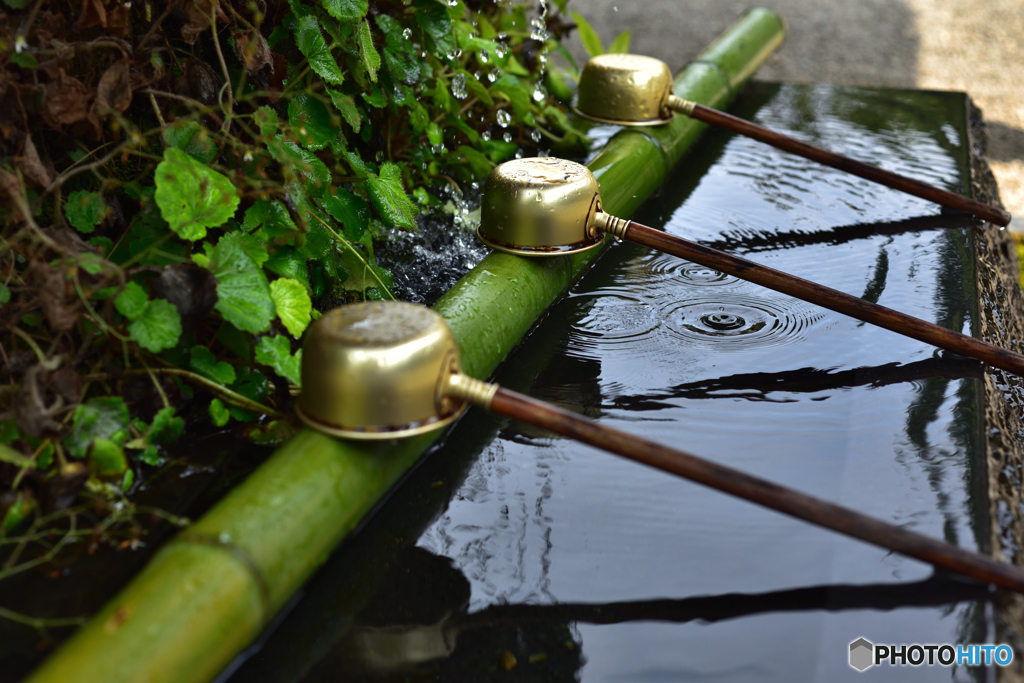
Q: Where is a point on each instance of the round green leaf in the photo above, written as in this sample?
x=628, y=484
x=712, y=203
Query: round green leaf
x=158, y=328
x=132, y=301
x=84, y=210
x=292, y=303
x=191, y=196
x=243, y=295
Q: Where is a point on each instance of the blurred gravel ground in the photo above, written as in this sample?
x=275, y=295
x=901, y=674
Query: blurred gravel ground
x=976, y=46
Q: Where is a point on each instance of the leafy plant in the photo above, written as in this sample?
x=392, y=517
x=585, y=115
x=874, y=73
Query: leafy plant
x=209, y=179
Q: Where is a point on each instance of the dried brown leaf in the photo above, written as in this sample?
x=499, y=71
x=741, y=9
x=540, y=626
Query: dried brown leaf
x=53, y=289
x=114, y=90
x=10, y=195
x=253, y=50
x=31, y=165
x=93, y=14
x=34, y=417
x=66, y=101
x=199, y=12
x=117, y=20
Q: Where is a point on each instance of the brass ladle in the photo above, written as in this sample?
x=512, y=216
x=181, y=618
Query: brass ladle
x=381, y=370
x=633, y=90
x=549, y=206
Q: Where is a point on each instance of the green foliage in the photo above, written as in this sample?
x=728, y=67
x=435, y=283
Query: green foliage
x=191, y=196
x=621, y=43
x=277, y=353
x=588, y=36
x=388, y=196
x=223, y=217
x=243, y=294
x=84, y=210
x=292, y=303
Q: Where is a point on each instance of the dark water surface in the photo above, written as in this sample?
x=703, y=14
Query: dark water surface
x=513, y=555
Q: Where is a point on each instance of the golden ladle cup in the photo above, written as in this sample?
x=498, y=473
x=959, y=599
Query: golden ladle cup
x=549, y=206
x=633, y=90
x=381, y=370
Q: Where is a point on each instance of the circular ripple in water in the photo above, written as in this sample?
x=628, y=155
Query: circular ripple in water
x=738, y=322
x=655, y=269
x=616, y=317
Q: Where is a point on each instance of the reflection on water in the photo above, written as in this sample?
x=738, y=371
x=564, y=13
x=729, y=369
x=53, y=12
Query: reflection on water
x=546, y=560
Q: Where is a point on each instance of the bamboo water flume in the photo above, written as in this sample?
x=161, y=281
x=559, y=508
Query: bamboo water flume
x=548, y=206
x=633, y=90
x=383, y=370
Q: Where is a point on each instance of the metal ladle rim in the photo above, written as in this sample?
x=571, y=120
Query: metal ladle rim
x=622, y=122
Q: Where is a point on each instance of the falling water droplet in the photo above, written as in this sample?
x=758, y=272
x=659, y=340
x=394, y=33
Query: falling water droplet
x=484, y=55
x=535, y=135
x=507, y=137
x=504, y=118
x=476, y=74
x=519, y=154
x=486, y=135
x=500, y=49
x=493, y=74
x=407, y=33
x=539, y=94
x=453, y=3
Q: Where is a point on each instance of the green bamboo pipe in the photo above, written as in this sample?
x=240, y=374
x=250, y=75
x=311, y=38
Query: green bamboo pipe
x=208, y=593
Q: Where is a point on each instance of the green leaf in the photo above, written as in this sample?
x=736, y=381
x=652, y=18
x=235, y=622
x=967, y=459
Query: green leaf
x=272, y=215
x=389, y=199
x=13, y=457
x=84, y=210
x=98, y=418
x=621, y=44
x=5, y=294
x=252, y=384
x=292, y=303
x=519, y=93
x=191, y=196
x=347, y=106
x=158, y=328
x=588, y=36
x=277, y=353
x=434, y=20
x=150, y=456
x=370, y=57
x=311, y=122
x=243, y=295
x=132, y=301
x=303, y=164
x=480, y=164
x=23, y=59
x=205, y=363
x=192, y=139
x=348, y=209
x=219, y=413
x=166, y=428
x=107, y=459
x=312, y=44
x=401, y=61
x=476, y=88
x=376, y=97
x=266, y=119
x=128, y=480
x=16, y=4
x=345, y=10
x=288, y=263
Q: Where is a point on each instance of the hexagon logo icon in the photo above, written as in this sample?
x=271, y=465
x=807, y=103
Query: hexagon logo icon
x=861, y=654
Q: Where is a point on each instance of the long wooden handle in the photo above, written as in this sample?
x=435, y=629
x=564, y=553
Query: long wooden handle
x=857, y=168
x=825, y=297
x=759, y=491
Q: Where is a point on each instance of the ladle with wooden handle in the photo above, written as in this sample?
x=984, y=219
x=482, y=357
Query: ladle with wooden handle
x=548, y=206
x=382, y=370
x=633, y=90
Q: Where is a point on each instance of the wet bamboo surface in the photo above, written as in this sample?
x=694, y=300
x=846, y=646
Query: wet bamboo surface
x=756, y=490
x=827, y=297
x=948, y=199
